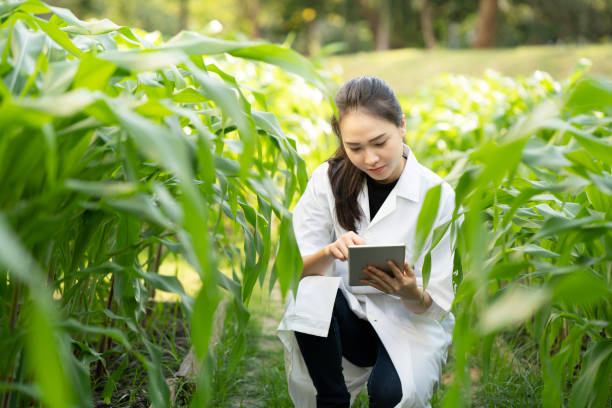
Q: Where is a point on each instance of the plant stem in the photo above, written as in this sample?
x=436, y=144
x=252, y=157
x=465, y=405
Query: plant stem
x=151, y=292
x=103, y=343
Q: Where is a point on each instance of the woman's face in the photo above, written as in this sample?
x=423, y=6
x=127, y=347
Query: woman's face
x=374, y=145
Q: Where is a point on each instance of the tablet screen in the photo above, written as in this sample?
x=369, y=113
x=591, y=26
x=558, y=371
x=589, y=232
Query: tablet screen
x=360, y=256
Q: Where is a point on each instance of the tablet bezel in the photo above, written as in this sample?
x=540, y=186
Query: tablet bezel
x=362, y=255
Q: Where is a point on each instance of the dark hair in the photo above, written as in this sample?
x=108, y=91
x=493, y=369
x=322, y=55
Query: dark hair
x=374, y=96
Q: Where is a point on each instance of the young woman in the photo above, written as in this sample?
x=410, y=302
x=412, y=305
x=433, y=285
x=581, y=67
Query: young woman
x=390, y=333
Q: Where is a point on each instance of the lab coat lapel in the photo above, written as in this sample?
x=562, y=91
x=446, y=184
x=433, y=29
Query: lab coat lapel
x=386, y=209
x=407, y=187
x=364, y=206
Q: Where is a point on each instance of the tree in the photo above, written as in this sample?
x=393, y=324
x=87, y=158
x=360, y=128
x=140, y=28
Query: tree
x=378, y=15
x=429, y=37
x=252, y=9
x=183, y=14
x=485, y=31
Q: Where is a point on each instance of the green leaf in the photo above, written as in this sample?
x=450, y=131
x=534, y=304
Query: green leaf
x=583, y=391
x=196, y=44
x=515, y=305
x=590, y=94
x=139, y=61
x=535, y=250
x=426, y=271
x=113, y=380
x=66, y=104
x=93, y=73
x=47, y=357
x=102, y=188
x=73, y=325
x=26, y=47
x=538, y=154
x=234, y=107
x=426, y=219
x=59, y=37
x=499, y=160
x=599, y=148
x=580, y=288
x=288, y=263
x=284, y=58
x=189, y=95
x=157, y=387
x=555, y=225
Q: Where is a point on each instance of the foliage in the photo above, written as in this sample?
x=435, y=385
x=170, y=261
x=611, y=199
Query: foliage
x=530, y=160
x=115, y=152
x=352, y=25
x=408, y=69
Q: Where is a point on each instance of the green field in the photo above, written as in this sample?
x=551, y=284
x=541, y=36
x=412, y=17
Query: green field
x=407, y=69
x=145, y=211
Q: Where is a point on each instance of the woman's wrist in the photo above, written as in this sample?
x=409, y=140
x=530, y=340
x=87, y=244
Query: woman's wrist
x=418, y=302
x=414, y=296
x=317, y=263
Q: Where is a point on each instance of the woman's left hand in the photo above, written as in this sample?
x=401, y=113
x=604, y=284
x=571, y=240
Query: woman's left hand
x=402, y=283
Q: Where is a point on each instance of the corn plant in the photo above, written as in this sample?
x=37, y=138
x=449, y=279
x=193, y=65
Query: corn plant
x=117, y=149
x=531, y=161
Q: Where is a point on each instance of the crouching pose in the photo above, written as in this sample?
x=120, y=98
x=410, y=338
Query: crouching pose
x=389, y=333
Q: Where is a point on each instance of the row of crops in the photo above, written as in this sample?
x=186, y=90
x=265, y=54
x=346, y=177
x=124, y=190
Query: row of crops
x=530, y=160
x=118, y=151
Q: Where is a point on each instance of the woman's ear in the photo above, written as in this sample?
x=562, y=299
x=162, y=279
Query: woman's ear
x=403, y=127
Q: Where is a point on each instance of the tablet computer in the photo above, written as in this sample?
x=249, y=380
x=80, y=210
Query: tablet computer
x=361, y=256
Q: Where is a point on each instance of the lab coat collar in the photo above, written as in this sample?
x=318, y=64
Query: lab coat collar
x=408, y=186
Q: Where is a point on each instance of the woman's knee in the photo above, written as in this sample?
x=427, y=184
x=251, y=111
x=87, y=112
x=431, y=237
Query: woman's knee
x=384, y=391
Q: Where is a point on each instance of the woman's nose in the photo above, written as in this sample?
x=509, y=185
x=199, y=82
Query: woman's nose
x=371, y=158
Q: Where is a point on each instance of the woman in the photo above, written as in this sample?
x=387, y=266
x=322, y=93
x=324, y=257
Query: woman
x=390, y=333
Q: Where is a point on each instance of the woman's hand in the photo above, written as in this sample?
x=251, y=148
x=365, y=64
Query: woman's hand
x=339, y=248
x=402, y=283
x=319, y=262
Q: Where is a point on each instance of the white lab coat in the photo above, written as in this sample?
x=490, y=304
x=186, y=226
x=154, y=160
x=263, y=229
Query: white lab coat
x=417, y=344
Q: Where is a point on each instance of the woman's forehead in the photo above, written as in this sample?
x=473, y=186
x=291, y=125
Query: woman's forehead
x=360, y=127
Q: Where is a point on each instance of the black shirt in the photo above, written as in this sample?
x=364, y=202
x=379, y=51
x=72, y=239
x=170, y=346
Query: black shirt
x=377, y=194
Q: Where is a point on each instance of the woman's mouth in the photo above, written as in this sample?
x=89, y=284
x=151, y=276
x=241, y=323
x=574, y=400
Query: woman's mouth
x=377, y=170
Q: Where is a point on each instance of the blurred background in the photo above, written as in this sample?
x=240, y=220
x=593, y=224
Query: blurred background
x=364, y=25
x=414, y=39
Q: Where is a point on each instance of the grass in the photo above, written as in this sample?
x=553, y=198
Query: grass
x=407, y=69
x=259, y=378
x=167, y=328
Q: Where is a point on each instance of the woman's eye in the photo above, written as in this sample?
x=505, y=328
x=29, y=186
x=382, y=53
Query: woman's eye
x=381, y=143
x=354, y=149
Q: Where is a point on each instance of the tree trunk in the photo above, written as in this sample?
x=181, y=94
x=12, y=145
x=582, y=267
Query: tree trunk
x=487, y=15
x=252, y=11
x=183, y=14
x=383, y=28
x=427, y=25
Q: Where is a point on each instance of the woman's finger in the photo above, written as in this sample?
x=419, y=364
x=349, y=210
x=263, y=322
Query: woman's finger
x=337, y=253
x=408, y=270
x=356, y=239
x=344, y=249
x=396, y=270
x=373, y=284
x=381, y=277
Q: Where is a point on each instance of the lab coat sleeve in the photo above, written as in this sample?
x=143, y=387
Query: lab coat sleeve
x=440, y=286
x=312, y=216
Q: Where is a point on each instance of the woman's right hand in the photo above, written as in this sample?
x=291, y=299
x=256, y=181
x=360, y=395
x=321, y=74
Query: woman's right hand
x=339, y=248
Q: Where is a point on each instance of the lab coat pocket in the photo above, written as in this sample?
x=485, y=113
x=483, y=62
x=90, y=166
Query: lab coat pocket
x=314, y=304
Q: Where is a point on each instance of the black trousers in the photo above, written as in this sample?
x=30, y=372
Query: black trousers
x=357, y=341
